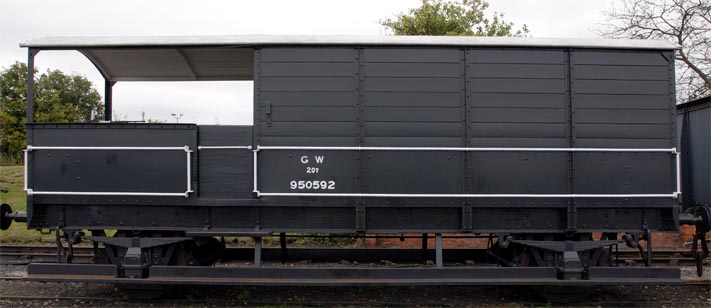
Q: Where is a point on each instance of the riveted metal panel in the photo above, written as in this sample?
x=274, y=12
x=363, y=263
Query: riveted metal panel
x=125, y=171
x=300, y=83
x=623, y=92
x=314, y=55
x=417, y=172
x=109, y=171
x=500, y=70
x=225, y=173
x=517, y=85
x=518, y=172
x=308, y=129
x=512, y=116
x=407, y=69
x=623, y=173
x=694, y=120
x=419, y=84
x=518, y=100
x=621, y=72
x=413, y=114
x=307, y=171
x=310, y=114
x=303, y=98
x=640, y=87
x=519, y=56
x=399, y=129
x=307, y=96
x=411, y=55
x=308, y=218
x=411, y=99
x=622, y=116
x=414, y=219
x=650, y=58
x=317, y=69
x=622, y=101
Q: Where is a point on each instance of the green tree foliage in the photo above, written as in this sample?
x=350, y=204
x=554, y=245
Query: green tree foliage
x=459, y=17
x=59, y=98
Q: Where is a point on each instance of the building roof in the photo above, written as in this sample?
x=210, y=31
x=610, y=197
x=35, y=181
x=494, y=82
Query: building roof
x=230, y=57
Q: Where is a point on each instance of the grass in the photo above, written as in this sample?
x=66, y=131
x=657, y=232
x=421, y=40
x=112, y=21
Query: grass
x=12, y=193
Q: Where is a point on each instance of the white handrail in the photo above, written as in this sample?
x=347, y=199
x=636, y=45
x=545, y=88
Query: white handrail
x=672, y=151
x=225, y=147
x=188, y=166
x=464, y=149
x=672, y=195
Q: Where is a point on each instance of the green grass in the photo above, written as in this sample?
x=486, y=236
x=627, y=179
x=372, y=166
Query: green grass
x=12, y=193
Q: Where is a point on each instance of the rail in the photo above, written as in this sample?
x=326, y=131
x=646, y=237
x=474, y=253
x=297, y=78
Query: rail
x=672, y=151
x=185, y=194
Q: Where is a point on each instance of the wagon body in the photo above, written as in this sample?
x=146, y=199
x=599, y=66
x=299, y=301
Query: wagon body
x=524, y=140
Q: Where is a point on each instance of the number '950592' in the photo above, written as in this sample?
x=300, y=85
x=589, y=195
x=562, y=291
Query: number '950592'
x=315, y=185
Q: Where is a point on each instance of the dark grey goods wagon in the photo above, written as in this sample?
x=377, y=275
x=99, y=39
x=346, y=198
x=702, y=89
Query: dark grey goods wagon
x=534, y=144
x=694, y=122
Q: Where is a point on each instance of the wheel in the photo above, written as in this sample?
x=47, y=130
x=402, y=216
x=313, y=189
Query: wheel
x=5, y=220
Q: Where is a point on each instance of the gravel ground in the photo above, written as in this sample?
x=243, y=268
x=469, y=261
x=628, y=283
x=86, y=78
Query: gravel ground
x=17, y=293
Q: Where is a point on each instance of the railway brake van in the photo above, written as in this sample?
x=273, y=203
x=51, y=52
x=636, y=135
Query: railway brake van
x=557, y=151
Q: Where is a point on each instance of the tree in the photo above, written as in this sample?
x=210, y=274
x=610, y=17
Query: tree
x=58, y=98
x=460, y=17
x=684, y=22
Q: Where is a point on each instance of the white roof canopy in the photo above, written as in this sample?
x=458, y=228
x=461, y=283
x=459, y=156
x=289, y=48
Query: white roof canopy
x=230, y=57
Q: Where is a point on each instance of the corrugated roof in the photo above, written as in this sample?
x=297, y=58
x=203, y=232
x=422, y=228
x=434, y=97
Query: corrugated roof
x=260, y=40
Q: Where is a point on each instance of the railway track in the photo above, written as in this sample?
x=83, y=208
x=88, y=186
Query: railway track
x=308, y=302
x=26, y=254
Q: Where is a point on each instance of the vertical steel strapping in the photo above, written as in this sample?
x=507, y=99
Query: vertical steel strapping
x=257, y=96
x=675, y=159
x=466, y=207
x=255, y=126
x=360, y=136
x=571, y=217
x=467, y=126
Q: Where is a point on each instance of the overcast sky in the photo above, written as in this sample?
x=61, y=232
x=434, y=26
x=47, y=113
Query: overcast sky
x=231, y=102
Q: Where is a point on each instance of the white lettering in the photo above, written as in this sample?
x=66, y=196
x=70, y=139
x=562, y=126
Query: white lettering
x=312, y=185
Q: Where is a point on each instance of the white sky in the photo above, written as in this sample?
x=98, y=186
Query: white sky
x=231, y=102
